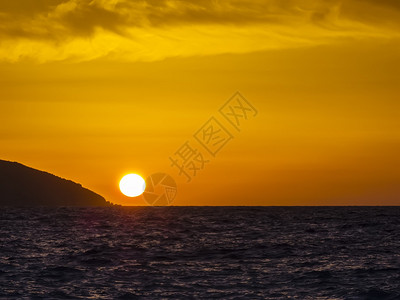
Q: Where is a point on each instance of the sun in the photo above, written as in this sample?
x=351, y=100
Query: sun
x=132, y=185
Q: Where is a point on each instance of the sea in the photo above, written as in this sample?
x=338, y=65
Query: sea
x=200, y=253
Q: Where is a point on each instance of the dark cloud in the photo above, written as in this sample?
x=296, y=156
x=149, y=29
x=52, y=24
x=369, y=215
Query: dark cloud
x=58, y=22
x=40, y=19
x=395, y=4
x=165, y=13
x=86, y=18
x=46, y=19
x=375, y=13
x=28, y=7
x=23, y=17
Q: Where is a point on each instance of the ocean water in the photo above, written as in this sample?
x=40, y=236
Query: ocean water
x=200, y=253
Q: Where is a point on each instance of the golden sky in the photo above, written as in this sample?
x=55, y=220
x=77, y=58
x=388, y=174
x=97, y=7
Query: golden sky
x=93, y=90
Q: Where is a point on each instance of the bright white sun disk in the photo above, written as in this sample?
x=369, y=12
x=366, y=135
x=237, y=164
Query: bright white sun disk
x=132, y=185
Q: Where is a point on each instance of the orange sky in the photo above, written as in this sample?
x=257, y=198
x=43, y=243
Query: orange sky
x=92, y=90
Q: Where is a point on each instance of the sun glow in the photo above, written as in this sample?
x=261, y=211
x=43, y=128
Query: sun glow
x=132, y=185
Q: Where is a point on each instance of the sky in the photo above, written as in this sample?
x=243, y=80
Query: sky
x=93, y=90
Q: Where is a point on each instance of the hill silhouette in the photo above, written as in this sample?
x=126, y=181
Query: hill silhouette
x=24, y=186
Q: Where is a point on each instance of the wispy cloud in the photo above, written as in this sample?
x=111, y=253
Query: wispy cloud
x=79, y=30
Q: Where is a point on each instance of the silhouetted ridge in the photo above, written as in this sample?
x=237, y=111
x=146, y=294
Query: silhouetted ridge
x=24, y=186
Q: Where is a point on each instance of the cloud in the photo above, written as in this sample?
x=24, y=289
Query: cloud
x=79, y=30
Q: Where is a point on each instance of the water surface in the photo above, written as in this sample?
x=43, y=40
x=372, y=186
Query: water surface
x=200, y=252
